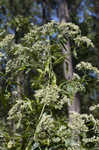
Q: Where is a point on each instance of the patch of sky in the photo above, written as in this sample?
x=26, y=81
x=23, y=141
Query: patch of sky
x=11, y=31
x=37, y=9
x=93, y=74
x=38, y=19
x=54, y=16
x=83, y=8
x=81, y=11
x=81, y=16
x=91, y=13
x=91, y=5
x=4, y=20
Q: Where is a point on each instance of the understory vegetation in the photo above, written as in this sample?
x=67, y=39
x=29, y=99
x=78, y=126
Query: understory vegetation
x=37, y=119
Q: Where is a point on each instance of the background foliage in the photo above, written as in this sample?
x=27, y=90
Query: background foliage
x=34, y=94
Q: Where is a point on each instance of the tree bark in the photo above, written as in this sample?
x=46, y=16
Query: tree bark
x=20, y=85
x=49, y=10
x=44, y=11
x=67, y=65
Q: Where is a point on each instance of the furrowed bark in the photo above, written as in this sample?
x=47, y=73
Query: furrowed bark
x=67, y=65
x=20, y=85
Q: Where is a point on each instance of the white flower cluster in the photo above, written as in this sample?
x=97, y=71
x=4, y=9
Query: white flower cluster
x=44, y=128
x=87, y=67
x=79, y=40
x=94, y=107
x=6, y=41
x=51, y=97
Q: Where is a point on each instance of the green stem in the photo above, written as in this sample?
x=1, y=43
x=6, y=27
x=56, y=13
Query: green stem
x=42, y=111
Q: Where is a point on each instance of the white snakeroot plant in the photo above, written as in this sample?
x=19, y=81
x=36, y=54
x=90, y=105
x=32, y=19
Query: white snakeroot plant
x=39, y=122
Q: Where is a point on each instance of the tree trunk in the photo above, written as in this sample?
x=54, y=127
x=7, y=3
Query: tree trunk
x=67, y=65
x=20, y=85
x=49, y=10
x=44, y=11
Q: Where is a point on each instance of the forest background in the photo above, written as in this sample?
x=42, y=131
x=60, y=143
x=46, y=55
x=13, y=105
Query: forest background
x=49, y=77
